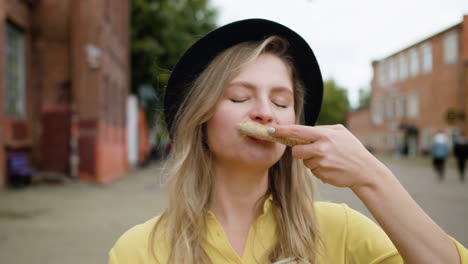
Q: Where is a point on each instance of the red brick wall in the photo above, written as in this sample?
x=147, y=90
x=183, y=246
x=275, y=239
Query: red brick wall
x=60, y=79
x=111, y=153
x=55, y=143
x=101, y=91
x=464, y=40
x=52, y=84
x=438, y=90
x=87, y=150
x=2, y=144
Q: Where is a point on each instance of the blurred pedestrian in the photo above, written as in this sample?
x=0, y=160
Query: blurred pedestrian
x=460, y=151
x=439, y=153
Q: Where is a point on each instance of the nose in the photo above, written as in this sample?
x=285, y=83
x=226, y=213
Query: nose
x=262, y=113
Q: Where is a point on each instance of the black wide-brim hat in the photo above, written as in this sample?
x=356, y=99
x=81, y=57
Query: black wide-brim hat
x=202, y=52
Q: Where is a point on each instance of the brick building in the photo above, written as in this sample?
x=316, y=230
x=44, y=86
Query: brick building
x=64, y=82
x=415, y=92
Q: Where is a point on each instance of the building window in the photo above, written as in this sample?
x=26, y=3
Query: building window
x=383, y=73
x=426, y=50
x=393, y=70
x=451, y=47
x=414, y=62
x=403, y=66
x=14, y=71
x=413, y=110
x=402, y=107
x=378, y=111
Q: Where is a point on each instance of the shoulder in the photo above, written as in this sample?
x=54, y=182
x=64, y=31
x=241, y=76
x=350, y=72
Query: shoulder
x=133, y=245
x=346, y=230
x=333, y=215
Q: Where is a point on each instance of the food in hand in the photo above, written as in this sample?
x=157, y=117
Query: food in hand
x=257, y=130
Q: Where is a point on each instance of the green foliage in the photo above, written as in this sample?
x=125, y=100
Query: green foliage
x=364, y=98
x=161, y=30
x=335, y=104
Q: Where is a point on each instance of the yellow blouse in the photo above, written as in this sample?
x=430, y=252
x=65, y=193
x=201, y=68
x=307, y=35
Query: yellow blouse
x=348, y=236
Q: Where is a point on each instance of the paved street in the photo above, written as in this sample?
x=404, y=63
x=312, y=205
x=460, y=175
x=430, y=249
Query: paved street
x=78, y=222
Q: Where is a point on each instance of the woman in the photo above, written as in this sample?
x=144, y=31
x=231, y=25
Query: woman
x=237, y=199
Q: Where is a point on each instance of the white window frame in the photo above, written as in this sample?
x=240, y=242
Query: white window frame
x=403, y=66
x=382, y=73
x=413, y=106
x=15, y=71
x=414, y=62
x=426, y=51
x=392, y=70
x=378, y=111
x=450, y=44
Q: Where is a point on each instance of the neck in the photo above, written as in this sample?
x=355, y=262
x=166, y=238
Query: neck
x=236, y=193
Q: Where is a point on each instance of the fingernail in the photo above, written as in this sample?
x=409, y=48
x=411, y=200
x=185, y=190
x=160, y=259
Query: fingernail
x=271, y=130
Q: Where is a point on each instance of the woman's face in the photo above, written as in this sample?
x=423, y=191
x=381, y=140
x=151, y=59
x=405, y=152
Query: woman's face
x=262, y=92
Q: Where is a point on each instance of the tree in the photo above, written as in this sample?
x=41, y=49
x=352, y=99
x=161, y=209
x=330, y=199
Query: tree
x=335, y=104
x=364, y=98
x=161, y=30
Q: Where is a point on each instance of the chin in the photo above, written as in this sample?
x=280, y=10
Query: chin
x=261, y=158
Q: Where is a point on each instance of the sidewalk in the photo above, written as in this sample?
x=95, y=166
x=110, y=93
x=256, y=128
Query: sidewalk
x=79, y=222
x=76, y=223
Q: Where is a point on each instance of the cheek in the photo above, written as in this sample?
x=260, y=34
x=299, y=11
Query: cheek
x=288, y=117
x=221, y=125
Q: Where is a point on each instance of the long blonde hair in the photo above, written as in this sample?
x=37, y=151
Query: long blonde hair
x=190, y=175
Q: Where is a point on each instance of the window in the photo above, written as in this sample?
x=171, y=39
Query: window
x=451, y=47
x=413, y=110
x=403, y=67
x=378, y=111
x=393, y=71
x=426, y=51
x=14, y=71
x=402, y=107
x=382, y=73
x=414, y=62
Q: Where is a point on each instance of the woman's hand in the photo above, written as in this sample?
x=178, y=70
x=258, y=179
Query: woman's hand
x=334, y=155
x=337, y=157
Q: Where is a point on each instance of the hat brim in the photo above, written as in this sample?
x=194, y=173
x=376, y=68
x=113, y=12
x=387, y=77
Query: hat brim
x=203, y=51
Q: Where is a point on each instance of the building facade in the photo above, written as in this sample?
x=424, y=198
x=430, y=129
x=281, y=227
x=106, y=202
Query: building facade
x=416, y=92
x=64, y=82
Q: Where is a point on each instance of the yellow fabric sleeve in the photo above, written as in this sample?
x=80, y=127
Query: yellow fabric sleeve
x=367, y=242
x=462, y=251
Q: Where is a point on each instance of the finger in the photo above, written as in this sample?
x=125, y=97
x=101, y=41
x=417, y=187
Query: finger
x=307, y=133
x=312, y=164
x=333, y=127
x=306, y=151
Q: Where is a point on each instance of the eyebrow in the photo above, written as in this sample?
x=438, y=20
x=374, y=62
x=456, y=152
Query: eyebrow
x=251, y=86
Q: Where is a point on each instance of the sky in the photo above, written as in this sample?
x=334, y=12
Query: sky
x=347, y=35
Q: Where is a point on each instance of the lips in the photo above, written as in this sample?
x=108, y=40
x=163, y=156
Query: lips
x=261, y=140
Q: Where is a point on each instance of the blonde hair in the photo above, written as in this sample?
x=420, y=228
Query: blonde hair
x=190, y=175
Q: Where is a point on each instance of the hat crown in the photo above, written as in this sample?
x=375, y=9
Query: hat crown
x=202, y=52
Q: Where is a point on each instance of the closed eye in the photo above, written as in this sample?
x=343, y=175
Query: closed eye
x=280, y=105
x=238, y=100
